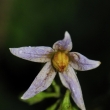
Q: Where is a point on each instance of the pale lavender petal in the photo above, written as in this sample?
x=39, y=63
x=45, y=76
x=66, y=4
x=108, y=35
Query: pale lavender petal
x=35, y=54
x=65, y=44
x=82, y=63
x=41, y=82
x=70, y=81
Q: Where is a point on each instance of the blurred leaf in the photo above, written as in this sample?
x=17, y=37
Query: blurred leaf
x=56, y=87
x=66, y=104
x=54, y=106
x=42, y=95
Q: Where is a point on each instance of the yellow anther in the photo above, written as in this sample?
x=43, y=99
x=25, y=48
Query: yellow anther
x=60, y=61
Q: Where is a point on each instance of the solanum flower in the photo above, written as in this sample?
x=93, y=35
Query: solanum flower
x=59, y=60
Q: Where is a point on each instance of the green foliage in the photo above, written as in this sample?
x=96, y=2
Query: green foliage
x=54, y=106
x=66, y=104
x=43, y=95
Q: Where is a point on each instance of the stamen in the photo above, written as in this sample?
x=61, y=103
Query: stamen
x=60, y=61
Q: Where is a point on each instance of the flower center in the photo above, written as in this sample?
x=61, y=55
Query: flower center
x=60, y=61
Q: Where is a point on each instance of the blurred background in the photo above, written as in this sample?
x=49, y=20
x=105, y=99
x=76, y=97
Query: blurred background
x=41, y=23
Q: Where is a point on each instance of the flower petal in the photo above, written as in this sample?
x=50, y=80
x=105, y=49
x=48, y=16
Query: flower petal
x=70, y=81
x=35, y=54
x=65, y=44
x=80, y=62
x=41, y=82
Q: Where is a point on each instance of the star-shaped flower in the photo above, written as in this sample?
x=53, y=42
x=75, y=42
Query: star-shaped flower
x=61, y=60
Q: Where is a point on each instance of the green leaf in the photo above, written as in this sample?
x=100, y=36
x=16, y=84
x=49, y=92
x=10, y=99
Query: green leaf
x=56, y=87
x=54, y=106
x=42, y=95
x=66, y=104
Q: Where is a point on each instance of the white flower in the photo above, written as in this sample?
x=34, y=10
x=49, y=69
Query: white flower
x=57, y=59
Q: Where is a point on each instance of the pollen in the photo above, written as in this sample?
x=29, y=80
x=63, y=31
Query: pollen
x=60, y=61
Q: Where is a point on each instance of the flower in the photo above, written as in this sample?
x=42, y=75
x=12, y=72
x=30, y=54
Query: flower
x=61, y=60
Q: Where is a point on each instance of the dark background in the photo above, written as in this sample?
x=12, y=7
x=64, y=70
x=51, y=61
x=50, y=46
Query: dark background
x=43, y=22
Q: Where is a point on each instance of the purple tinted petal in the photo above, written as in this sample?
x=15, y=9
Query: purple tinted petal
x=35, y=54
x=41, y=82
x=80, y=62
x=70, y=81
x=65, y=44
